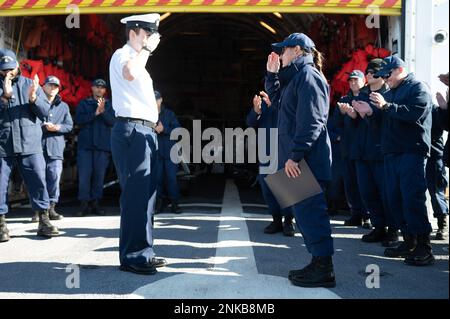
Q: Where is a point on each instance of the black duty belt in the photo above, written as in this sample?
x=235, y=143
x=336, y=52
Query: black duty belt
x=137, y=121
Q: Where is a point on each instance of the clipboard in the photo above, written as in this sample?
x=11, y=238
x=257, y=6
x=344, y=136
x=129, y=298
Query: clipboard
x=290, y=191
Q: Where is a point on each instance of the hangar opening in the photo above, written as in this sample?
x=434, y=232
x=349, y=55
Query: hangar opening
x=208, y=66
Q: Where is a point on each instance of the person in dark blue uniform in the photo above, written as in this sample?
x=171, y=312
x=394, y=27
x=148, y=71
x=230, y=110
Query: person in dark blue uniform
x=335, y=192
x=443, y=119
x=344, y=121
x=264, y=115
x=23, y=107
x=302, y=95
x=406, y=139
x=167, y=171
x=56, y=124
x=95, y=117
x=370, y=166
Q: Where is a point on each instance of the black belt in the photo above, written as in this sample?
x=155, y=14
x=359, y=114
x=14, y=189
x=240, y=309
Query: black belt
x=137, y=121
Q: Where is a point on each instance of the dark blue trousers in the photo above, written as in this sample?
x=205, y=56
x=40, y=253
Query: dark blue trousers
x=134, y=149
x=167, y=178
x=352, y=190
x=406, y=192
x=92, y=166
x=53, y=172
x=437, y=182
x=313, y=222
x=274, y=207
x=335, y=189
x=371, y=187
x=32, y=169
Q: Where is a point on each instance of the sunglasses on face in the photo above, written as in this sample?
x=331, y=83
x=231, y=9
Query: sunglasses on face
x=387, y=76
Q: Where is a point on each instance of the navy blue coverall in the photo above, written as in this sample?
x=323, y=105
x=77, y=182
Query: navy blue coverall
x=53, y=144
x=349, y=157
x=21, y=143
x=167, y=170
x=302, y=95
x=94, y=147
x=266, y=120
x=405, y=143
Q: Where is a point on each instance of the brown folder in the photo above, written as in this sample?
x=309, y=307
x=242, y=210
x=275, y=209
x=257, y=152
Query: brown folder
x=288, y=190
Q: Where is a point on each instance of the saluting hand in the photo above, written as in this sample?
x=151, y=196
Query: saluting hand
x=265, y=97
x=292, y=168
x=33, y=89
x=273, y=62
x=378, y=100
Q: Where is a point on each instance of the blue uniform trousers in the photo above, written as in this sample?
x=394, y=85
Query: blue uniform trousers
x=274, y=207
x=437, y=182
x=32, y=169
x=406, y=188
x=53, y=172
x=371, y=187
x=167, y=178
x=351, y=189
x=134, y=150
x=314, y=224
x=92, y=166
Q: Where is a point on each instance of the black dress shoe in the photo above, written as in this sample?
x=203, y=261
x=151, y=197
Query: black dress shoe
x=158, y=262
x=141, y=269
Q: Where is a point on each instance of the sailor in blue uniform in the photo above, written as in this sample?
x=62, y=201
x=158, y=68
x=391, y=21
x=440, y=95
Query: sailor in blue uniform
x=264, y=115
x=95, y=117
x=359, y=217
x=370, y=165
x=406, y=140
x=302, y=95
x=167, y=170
x=437, y=180
x=56, y=124
x=23, y=107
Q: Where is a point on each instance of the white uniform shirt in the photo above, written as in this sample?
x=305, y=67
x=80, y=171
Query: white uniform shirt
x=135, y=99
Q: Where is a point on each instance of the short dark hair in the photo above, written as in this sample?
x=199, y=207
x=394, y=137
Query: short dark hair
x=128, y=29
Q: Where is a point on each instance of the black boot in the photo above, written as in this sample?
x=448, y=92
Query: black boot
x=353, y=221
x=96, y=209
x=422, y=255
x=174, y=208
x=84, y=209
x=375, y=236
x=288, y=227
x=391, y=238
x=4, y=232
x=406, y=247
x=319, y=273
x=158, y=205
x=442, y=231
x=35, y=217
x=53, y=214
x=45, y=228
x=276, y=226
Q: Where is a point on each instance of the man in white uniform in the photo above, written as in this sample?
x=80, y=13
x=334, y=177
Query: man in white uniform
x=134, y=142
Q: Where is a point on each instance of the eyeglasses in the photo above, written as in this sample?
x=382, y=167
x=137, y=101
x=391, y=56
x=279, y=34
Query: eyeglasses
x=387, y=76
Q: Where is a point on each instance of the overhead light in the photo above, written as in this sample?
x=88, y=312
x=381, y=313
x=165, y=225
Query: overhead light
x=278, y=15
x=165, y=15
x=268, y=27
